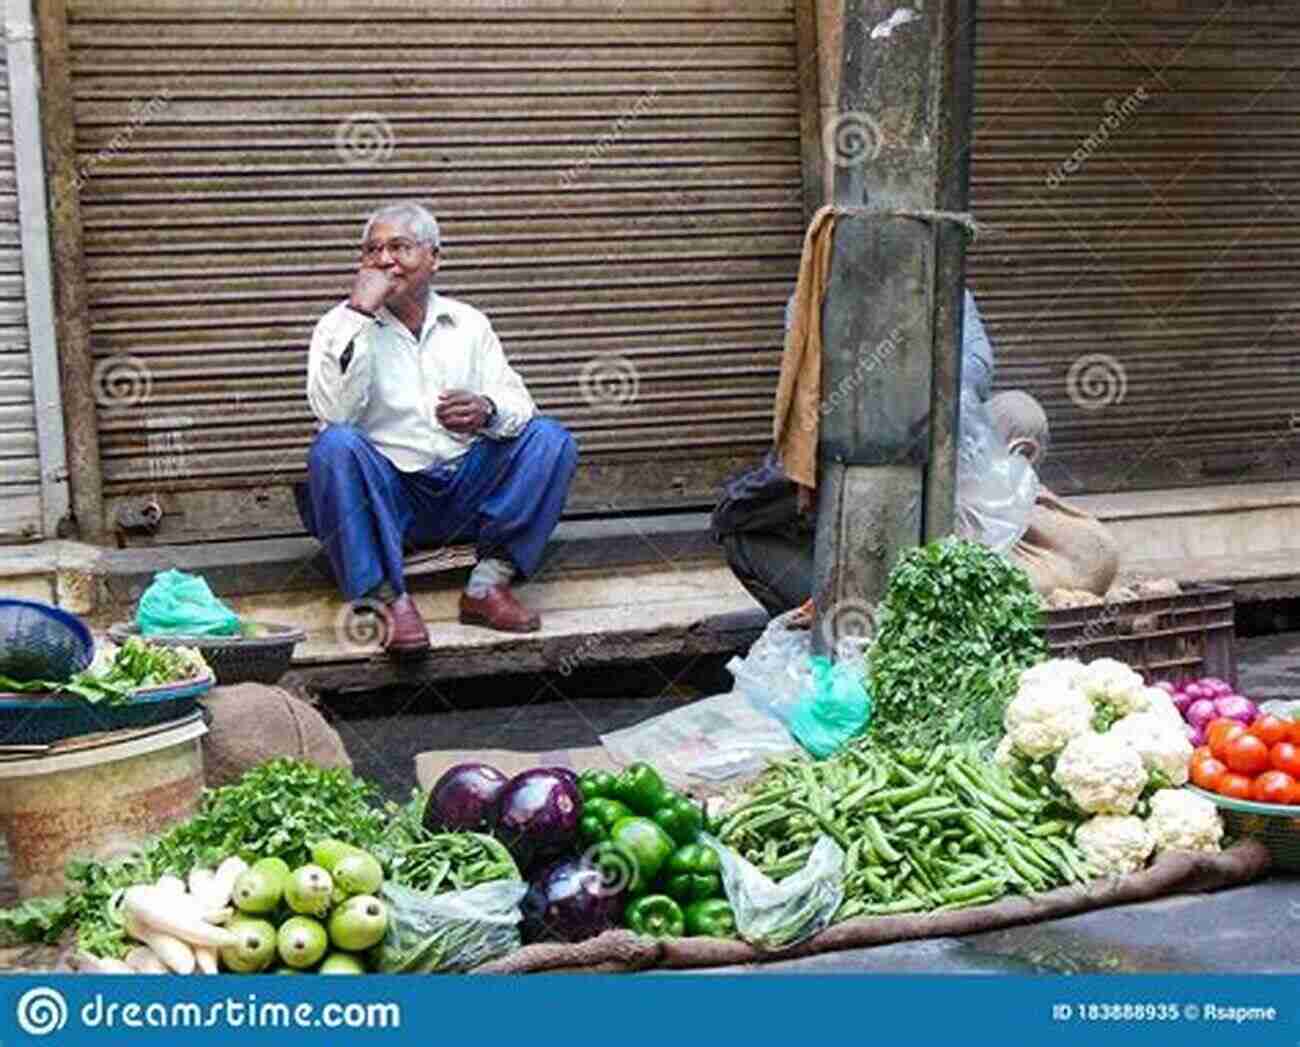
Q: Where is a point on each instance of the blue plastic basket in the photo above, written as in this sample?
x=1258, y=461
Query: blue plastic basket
x=41, y=719
x=40, y=642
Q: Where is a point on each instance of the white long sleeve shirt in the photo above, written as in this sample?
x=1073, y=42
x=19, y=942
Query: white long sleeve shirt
x=375, y=375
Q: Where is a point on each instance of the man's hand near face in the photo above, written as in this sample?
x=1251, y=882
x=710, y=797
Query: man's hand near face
x=371, y=288
x=463, y=412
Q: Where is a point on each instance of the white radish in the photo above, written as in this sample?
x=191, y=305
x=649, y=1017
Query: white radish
x=178, y=956
x=144, y=960
x=173, y=915
x=171, y=884
x=205, y=958
x=200, y=880
x=101, y=964
x=218, y=916
x=222, y=884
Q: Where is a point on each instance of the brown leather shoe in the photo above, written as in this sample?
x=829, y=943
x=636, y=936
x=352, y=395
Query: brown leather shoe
x=499, y=610
x=405, y=633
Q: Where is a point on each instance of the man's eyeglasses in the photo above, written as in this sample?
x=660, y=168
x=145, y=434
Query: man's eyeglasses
x=397, y=248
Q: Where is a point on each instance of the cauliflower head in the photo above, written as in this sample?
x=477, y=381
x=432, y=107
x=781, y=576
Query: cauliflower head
x=1115, y=845
x=1040, y=720
x=1181, y=820
x=1054, y=673
x=1112, y=682
x=1162, y=745
x=1102, y=774
x=1156, y=701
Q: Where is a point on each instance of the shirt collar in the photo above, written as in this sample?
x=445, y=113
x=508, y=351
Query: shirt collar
x=439, y=311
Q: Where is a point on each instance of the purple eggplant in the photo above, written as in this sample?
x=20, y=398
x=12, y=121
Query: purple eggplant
x=539, y=814
x=465, y=798
x=569, y=901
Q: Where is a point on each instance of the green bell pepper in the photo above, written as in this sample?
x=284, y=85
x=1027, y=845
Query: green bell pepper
x=680, y=817
x=693, y=874
x=599, y=816
x=656, y=915
x=641, y=788
x=597, y=785
x=711, y=918
x=646, y=848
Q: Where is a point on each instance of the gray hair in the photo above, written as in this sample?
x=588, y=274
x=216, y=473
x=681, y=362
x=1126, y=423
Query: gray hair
x=416, y=219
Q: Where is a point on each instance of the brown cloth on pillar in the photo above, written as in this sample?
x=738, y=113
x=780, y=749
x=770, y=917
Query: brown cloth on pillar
x=799, y=392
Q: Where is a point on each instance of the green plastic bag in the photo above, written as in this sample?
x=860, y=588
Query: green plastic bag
x=837, y=709
x=180, y=604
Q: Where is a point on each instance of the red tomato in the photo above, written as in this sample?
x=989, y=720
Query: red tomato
x=1234, y=785
x=1206, y=772
x=1220, y=732
x=1293, y=732
x=1273, y=787
x=1286, y=757
x=1270, y=730
x=1247, y=755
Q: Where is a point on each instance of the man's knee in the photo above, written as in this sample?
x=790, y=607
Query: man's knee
x=553, y=434
x=335, y=442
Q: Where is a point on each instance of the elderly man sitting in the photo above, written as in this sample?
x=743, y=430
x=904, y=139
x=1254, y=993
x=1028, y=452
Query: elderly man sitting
x=428, y=437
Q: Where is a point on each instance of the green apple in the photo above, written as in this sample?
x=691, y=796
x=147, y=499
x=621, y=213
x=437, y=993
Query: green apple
x=301, y=942
x=309, y=890
x=255, y=949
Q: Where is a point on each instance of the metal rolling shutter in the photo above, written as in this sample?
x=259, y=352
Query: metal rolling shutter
x=20, y=489
x=1165, y=266
x=619, y=188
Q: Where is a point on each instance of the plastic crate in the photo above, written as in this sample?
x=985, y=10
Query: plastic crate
x=1164, y=638
x=41, y=719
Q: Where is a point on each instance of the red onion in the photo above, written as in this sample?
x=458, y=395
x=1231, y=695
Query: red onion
x=1201, y=712
x=1236, y=707
x=1220, y=688
x=1166, y=686
x=1196, y=735
x=1182, y=701
x=1197, y=692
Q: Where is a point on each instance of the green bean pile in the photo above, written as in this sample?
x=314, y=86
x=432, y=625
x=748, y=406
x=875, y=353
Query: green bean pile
x=451, y=862
x=920, y=833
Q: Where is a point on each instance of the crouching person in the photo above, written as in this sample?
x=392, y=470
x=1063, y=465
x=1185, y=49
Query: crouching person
x=428, y=438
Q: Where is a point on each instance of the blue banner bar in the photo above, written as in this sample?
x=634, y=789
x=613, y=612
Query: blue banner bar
x=631, y=1011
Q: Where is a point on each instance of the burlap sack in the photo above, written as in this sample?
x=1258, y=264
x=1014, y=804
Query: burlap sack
x=253, y=723
x=1065, y=548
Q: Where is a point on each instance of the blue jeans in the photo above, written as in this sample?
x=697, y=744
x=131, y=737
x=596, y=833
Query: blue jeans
x=505, y=496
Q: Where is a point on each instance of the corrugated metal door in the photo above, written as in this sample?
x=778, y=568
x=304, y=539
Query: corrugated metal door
x=1137, y=161
x=619, y=187
x=20, y=489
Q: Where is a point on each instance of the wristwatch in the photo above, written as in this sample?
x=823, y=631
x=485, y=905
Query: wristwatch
x=492, y=414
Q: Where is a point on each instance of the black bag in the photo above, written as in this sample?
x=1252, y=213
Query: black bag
x=759, y=499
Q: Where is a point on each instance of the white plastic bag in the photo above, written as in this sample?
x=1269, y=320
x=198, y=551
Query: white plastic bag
x=996, y=490
x=772, y=916
x=707, y=743
x=449, y=932
x=777, y=672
